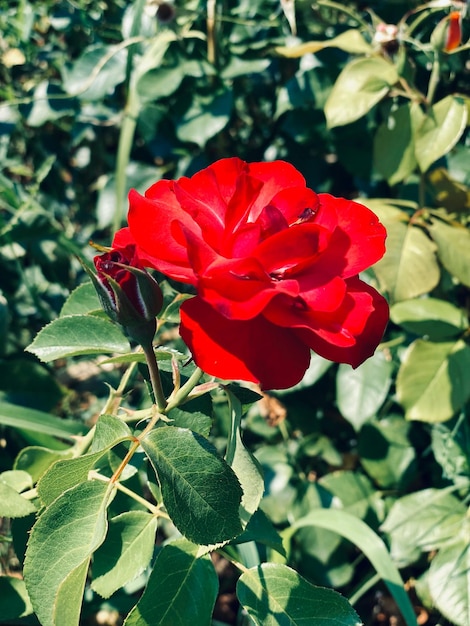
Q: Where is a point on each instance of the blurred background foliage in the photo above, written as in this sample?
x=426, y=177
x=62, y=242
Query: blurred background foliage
x=368, y=101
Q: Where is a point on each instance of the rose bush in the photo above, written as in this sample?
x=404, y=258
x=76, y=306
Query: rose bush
x=275, y=266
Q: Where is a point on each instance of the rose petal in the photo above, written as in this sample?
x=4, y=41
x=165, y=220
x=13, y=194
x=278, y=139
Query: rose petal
x=360, y=236
x=253, y=350
x=353, y=332
x=150, y=224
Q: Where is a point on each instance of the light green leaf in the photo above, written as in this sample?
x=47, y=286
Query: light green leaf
x=77, y=335
x=350, y=41
x=361, y=392
x=451, y=449
x=181, y=590
x=109, y=431
x=431, y=317
x=394, y=155
x=275, y=595
x=196, y=421
x=14, y=599
x=59, y=550
x=423, y=521
x=16, y=479
x=409, y=267
x=359, y=87
x=449, y=582
x=67, y=473
x=432, y=382
x=453, y=247
x=96, y=73
x=440, y=130
x=366, y=540
x=190, y=471
x=126, y=551
x=82, y=300
x=12, y=504
x=36, y=460
x=36, y=421
x=243, y=463
x=206, y=117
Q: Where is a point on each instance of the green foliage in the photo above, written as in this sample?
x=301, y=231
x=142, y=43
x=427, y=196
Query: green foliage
x=292, y=488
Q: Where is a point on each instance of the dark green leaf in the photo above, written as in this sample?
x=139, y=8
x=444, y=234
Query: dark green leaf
x=181, y=590
x=126, y=551
x=14, y=599
x=59, y=550
x=190, y=471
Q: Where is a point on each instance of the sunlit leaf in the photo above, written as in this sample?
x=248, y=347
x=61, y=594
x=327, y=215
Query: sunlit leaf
x=77, y=335
x=440, y=130
x=360, y=392
x=359, y=87
x=432, y=382
x=453, y=245
x=275, y=595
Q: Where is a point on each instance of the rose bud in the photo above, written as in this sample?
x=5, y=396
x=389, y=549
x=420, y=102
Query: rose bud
x=128, y=293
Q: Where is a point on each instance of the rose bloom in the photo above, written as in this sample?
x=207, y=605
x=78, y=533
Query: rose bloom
x=274, y=264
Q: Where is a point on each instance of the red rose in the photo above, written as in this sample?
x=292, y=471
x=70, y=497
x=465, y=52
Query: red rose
x=128, y=293
x=274, y=264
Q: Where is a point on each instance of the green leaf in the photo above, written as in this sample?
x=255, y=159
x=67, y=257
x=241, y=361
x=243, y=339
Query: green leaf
x=386, y=452
x=421, y=522
x=36, y=460
x=81, y=301
x=431, y=317
x=190, y=471
x=453, y=246
x=449, y=582
x=432, y=380
x=206, y=117
x=12, y=504
x=109, y=431
x=96, y=73
x=275, y=595
x=126, y=551
x=451, y=449
x=359, y=87
x=67, y=473
x=409, y=267
x=350, y=41
x=440, y=130
x=366, y=540
x=36, y=421
x=77, y=335
x=59, y=550
x=394, y=155
x=243, y=463
x=181, y=590
x=196, y=421
x=17, y=480
x=361, y=392
x=14, y=599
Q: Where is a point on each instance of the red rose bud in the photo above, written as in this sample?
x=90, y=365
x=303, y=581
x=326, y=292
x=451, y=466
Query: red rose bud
x=128, y=293
x=454, y=32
